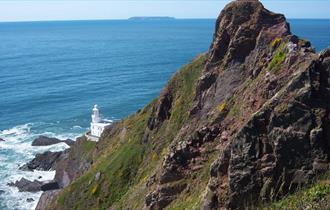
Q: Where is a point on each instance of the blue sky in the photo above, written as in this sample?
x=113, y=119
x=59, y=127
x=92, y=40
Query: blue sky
x=34, y=10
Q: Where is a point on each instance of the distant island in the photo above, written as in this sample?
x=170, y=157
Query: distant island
x=152, y=18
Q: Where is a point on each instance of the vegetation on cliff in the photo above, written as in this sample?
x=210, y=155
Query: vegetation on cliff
x=315, y=196
x=245, y=124
x=127, y=155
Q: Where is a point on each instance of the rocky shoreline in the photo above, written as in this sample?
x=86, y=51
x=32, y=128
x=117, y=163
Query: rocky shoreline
x=69, y=164
x=46, y=161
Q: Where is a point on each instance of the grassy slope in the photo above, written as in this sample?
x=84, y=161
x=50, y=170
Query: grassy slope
x=316, y=196
x=125, y=161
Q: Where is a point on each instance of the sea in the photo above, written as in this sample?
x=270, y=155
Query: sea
x=52, y=73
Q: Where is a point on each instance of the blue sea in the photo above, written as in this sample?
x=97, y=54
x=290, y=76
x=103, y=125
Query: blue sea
x=52, y=73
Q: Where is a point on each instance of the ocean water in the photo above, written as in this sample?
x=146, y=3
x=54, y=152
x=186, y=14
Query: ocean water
x=52, y=73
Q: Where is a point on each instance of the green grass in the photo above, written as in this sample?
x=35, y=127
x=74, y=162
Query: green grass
x=279, y=57
x=316, y=196
x=192, y=199
x=234, y=111
x=118, y=170
x=126, y=162
x=88, y=146
x=276, y=42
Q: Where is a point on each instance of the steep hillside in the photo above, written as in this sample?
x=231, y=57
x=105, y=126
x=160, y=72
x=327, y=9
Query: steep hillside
x=241, y=126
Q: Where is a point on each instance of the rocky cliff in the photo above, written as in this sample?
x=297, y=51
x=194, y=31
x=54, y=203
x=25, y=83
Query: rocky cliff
x=241, y=126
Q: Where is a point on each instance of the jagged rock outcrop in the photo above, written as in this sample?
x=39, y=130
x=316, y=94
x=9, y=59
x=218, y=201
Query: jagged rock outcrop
x=244, y=31
x=253, y=62
x=283, y=146
x=45, y=161
x=73, y=163
x=241, y=27
x=25, y=185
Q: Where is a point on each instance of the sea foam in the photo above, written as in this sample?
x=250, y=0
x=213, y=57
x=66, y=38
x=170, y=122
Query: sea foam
x=16, y=150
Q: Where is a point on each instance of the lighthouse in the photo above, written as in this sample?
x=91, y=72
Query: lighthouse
x=97, y=125
x=96, y=115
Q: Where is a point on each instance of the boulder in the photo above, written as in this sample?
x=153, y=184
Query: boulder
x=25, y=185
x=44, y=162
x=69, y=142
x=29, y=200
x=46, y=141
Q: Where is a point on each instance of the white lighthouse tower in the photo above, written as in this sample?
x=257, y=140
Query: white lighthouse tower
x=96, y=115
x=97, y=125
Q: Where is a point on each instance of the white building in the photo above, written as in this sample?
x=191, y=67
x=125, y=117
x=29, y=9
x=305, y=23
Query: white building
x=98, y=124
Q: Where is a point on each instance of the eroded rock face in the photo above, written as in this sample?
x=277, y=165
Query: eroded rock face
x=163, y=110
x=46, y=198
x=263, y=102
x=238, y=30
x=282, y=147
x=71, y=164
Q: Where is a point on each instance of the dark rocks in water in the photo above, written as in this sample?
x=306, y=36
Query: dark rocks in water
x=52, y=185
x=45, y=162
x=2, y=139
x=2, y=191
x=46, y=141
x=25, y=185
x=29, y=200
x=69, y=142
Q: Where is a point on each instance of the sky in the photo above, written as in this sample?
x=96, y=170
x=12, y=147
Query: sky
x=38, y=10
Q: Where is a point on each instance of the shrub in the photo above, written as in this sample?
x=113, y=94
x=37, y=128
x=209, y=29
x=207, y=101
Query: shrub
x=278, y=59
x=222, y=107
x=276, y=42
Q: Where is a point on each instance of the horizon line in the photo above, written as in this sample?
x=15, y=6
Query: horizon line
x=174, y=18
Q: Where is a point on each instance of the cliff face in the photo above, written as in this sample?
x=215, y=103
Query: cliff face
x=246, y=123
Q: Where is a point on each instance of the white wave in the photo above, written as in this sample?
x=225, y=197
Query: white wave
x=17, y=150
x=17, y=130
x=77, y=126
